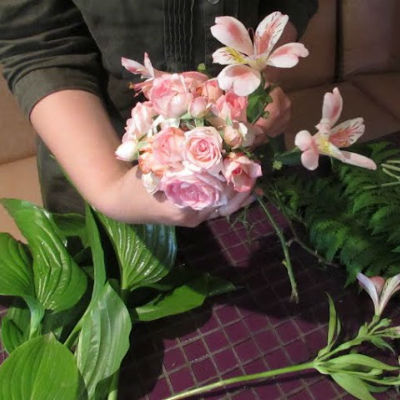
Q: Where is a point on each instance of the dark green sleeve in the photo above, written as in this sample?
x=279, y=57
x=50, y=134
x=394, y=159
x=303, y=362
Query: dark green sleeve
x=45, y=47
x=299, y=11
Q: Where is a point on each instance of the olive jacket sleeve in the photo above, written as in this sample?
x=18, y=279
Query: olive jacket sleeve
x=44, y=48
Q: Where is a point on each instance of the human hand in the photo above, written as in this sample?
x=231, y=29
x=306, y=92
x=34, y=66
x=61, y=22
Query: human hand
x=279, y=116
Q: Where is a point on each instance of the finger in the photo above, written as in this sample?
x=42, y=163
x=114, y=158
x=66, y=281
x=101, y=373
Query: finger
x=234, y=204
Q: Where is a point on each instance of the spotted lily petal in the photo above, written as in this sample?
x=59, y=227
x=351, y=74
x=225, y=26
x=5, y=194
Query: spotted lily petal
x=310, y=158
x=356, y=159
x=232, y=33
x=331, y=110
x=268, y=32
x=242, y=79
x=228, y=56
x=370, y=288
x=392, y=286
x=347, y=133
x=287, y=56
x=303, y=140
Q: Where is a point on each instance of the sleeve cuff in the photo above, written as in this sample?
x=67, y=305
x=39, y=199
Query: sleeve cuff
x=39, y=83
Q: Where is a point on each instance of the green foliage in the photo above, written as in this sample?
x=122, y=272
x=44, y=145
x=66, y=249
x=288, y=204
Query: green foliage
x=351, y=215
x=72, y=299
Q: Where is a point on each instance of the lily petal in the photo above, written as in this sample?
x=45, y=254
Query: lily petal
x=309, y=159
x=127, y=151
x=232, y=33
x=370, y=288
x=242, y=79
x=392, y=286
x=347, y=133
x=269, y=31
x=228, y=56
x=331, y=109
x=356, y=159
x=287, y=56
x=303, y=140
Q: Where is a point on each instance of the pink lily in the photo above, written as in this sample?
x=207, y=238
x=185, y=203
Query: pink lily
x=147, y=71
x=379, y=289
x=244, y=59
x=329, y=138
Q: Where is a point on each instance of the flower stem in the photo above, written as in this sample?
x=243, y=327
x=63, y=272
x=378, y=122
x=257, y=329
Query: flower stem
x=287, y=261
x=242, y=379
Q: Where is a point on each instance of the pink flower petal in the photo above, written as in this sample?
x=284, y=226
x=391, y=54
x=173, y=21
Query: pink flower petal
x=347, y=133
x=133, y=66
x=303, y=140
x=232, y=33
x=287, y=56
x=357, y=160
x=331, y=108
x=228, y=56
x=241, y=79
x=309, y=159
x=370, y=288
x=269, y=31
x=378, y=282
x=391, y=286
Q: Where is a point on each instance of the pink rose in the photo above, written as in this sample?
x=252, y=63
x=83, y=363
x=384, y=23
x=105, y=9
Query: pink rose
x=194, y=80
x=231, y=106
x=232, y=137
x=241, y=172
x=198, y=107
x=203, y=147
x=170, y=96
x=211, y=90
x=196, y=190
x=167, y=148
x=140, y=122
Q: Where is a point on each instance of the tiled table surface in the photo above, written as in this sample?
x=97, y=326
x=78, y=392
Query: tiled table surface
x=247, y=331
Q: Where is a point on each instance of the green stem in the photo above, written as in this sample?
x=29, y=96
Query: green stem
x=242, y=379
x=287, y=262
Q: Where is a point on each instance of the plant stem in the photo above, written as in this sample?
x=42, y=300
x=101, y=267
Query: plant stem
x=242, y=379
x=286, y=262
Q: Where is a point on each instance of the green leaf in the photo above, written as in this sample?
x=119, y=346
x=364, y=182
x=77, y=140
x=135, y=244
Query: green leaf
x=15, y=268
x=257, y=101
x=59, y=283
x=71, y=224
x=352, y=385
x=146, y=253
x=183, y=298
x=333, y=322
x=103, y=341
x=40, y=369
x=15, y=326
x=356, y=360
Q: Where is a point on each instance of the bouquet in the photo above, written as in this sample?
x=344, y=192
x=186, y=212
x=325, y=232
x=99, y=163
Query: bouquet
x=193, y=136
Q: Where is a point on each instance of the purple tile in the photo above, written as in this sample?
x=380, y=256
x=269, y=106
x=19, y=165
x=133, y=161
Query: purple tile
x=245, y=394
x=160, y=390
x=238, y=253
x=210, y=325
x=216, y=340
x=230, y=239
x=298, y=352
x=303, y=395
x=181, y=380
x=268, y=390
x=256, y=322
x=246, y=351
x=255, y=366
x=173, y=359
x=315, y=341
x=237, y=332
x=323, y=390
x=225, y=360
x=287, y=332
x=227, y=314
x=266, y=340
x=277, y=359
x=195, y=350
x=204, y=370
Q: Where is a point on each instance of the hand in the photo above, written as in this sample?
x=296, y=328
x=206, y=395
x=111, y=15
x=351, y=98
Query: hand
x=278, y=119
x=128, y=201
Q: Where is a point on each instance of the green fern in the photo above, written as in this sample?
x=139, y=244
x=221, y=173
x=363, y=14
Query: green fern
x=351, y=215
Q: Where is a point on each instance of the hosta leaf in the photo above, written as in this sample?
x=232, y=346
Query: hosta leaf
x=146, y=253
x=16, y=277
x=183, y=298
x=103, y=341
x=15, y=326
x=59, y=283
x=40, y=369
